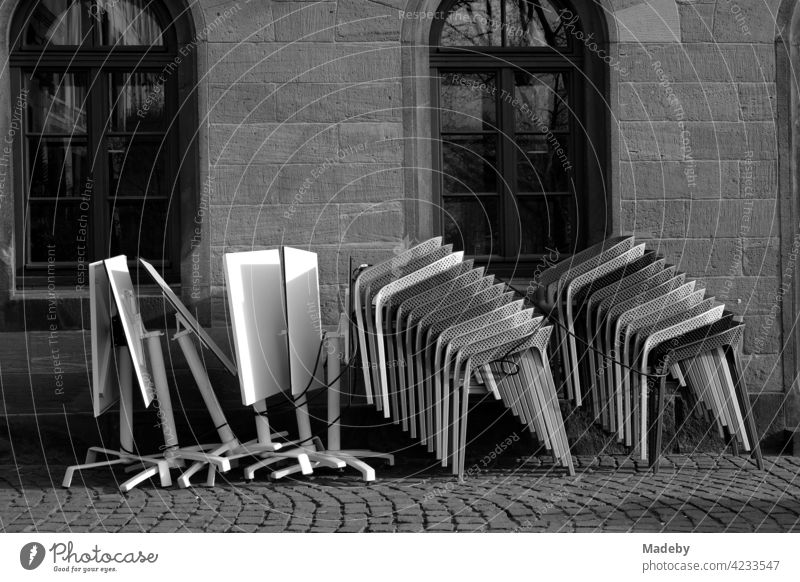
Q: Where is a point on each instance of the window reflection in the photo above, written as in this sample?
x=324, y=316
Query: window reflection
x=509, y=23
x=58, y=22
x=128, y=23
x=56, y=102
x=93, y=22
x=137, y=102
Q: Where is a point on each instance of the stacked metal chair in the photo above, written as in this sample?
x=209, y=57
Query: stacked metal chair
x=626, y=319
x=432, y=329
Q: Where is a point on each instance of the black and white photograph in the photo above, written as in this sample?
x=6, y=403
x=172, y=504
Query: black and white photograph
x=443, y=268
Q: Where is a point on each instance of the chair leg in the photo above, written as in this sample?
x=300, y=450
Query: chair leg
x=730, y=440
x=744, y=404
x=659, y=405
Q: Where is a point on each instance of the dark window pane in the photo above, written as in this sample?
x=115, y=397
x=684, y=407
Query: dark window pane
x=542, y=164
x=128, y=23
x=535, y=23
x=56, y=102
x=58, y=22
x=473, y=23
x=547, y=223
x=58, y=168
x=139, y=229
x=543, y=104
x=470, y=164
x=137, y=100
x=136, y=167
x=468, y=102
x=57, y=230
x=471, y=224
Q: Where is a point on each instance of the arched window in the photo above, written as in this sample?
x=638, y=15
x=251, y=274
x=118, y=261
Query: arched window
x=97, y=156
x=520, y=171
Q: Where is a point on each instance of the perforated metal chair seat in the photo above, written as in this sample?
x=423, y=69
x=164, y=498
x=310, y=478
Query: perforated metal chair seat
x=493, y=296
x=723, y=337
x=609, y=377
x=657, y=353
x=592, y=256
x=470, y=325
x=428, y=328
x=566, y=311
x=414, y=308
x=577, y=265
x=597, y=330
x=616, y=275
x=384, y=297
x=532, y=387
x=443, y=360
x=436, y=296
x=406, y=351
x=686, y=345
x=638, y=331
x=644, y=331
x=668, y=334
x=425, y=308
x=362, y=302
x=594, y=339
x=520, y=338
x=471, y=281
x=435, y=323
x=395, y=356
x=442, y=413
x=676, y=301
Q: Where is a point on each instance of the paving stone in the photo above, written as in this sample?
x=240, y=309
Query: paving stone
x=701, y=493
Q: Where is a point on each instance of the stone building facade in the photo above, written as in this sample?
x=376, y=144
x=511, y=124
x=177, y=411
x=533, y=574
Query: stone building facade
x=309, y=124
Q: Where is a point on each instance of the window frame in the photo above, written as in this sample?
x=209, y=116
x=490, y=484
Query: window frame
x=98, y=63
x=582, y=71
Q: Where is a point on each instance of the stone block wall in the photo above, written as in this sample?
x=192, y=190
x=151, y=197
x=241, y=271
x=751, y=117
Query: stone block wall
x=306, y=141
x=698, y=173
x=305, y=134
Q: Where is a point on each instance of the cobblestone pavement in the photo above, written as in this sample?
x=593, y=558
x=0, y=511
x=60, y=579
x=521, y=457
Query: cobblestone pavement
x=699, y=493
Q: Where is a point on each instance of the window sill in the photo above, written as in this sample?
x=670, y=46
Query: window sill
x=71, y=292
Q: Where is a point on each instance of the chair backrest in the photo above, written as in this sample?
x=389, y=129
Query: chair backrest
x=586, y=279
x=440, y=320
x=373, y=286
x=614, y=288
x=493, y=293
x=675, y=319
x=725, y=331
x=672, y=334
x=641, y=298
x=617, y=275
x=656, y=304
x=670, y=309
x=481, y=321
x=537, y=341
x=442, y=279
x=506, y=344
x=553, y=274
x=607, y=254
x=388, y=291
x=632, y=291
x=410, y=260
x=494, y=328
x=439, y=292
x=371, y=273
x=512, y=338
